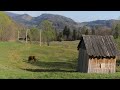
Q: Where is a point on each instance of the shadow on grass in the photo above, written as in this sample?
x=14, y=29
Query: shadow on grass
x=48, y=70
x=54, y=66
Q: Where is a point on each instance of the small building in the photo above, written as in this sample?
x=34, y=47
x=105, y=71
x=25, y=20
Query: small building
x=97, y=54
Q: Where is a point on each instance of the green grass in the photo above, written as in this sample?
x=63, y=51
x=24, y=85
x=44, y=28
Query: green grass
x=57, y=61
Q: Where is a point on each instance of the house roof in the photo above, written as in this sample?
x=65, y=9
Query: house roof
x=99, y=45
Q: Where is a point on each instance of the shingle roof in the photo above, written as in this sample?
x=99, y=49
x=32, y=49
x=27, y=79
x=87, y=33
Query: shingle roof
x=100, y=45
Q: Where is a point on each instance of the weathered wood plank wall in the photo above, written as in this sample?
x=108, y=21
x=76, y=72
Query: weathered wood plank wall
x=104, y=65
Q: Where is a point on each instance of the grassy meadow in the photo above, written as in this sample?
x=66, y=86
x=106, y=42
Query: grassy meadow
x=57, y=61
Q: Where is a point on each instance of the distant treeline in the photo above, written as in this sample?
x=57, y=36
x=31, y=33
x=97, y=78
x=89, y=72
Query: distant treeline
x=49, y=33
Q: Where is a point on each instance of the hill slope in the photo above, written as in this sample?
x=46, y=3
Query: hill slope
x=106, y=23
x=58, y=21
x=12, y=14
x=24, y=19
x=8, y=27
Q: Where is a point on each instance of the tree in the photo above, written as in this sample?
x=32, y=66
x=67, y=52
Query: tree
x=60, y=36
x=56, y=34
x=86, y=32
x=74, y=34
x=34, y=34
x=66, y=33
x=116, y=31
x=79, y=33
x=93, y=31
x=83, y=30
x=8, y=28
x=48, y=31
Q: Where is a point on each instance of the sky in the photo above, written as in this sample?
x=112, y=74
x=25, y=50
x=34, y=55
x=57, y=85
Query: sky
x=78, y=16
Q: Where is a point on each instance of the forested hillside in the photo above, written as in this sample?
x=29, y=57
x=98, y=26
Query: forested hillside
x=8, y=28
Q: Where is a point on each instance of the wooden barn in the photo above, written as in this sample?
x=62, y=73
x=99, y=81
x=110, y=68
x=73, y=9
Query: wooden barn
x=97, y=54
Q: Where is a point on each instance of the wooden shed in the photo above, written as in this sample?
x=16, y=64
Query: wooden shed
x=97, y=54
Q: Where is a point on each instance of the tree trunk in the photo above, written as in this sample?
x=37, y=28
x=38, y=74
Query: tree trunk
x=48, y=42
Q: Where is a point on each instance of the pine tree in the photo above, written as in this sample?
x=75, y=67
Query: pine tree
x=68, y=33
x=74, y=34
x=93, y=31
x=60, y=36
x=64, y=32
x=116, y=31
x=86, y=32
x=78, y=35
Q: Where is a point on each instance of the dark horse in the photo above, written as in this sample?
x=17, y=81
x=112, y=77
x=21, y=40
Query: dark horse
x=32, y=58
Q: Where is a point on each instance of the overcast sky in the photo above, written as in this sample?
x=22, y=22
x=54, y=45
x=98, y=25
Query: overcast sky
x=78, y=16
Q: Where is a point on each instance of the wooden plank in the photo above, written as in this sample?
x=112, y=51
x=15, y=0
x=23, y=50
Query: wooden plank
x=99, y=48
x=78, y=67
x=87, y=44
x=109, y=46
x=104, y=47
x=85, y=56
x=91, y=46
x=113, y=46
x=81, y=59
x=94, y=46
x=100, y=43
x=89, y=66
x=115, y=65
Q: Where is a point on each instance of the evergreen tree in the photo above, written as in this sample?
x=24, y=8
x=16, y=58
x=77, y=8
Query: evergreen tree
x=116, y=31
x=68, y=33
x=74, y=34
x=86, y=32
x=93, y=31
x=60, y=36
x=78, y=35
x=64, y=32
x=83, y=30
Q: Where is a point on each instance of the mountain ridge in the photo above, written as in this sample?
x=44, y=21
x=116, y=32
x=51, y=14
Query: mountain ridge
x=59, y=21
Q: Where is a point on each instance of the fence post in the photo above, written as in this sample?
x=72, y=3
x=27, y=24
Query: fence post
x=26, y=35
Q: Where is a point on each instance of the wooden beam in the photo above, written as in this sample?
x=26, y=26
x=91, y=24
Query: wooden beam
x=26, y=35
